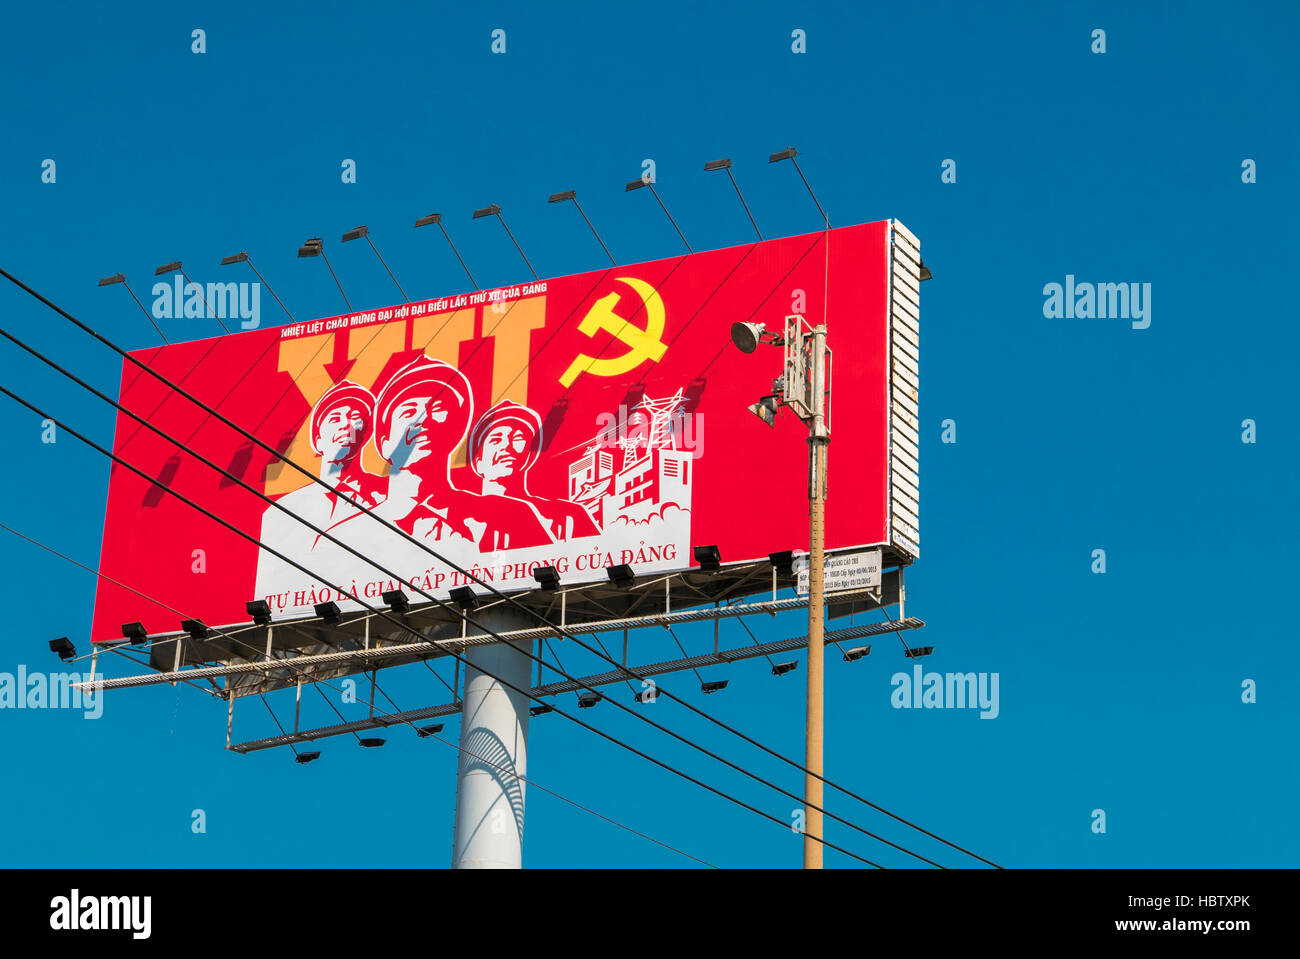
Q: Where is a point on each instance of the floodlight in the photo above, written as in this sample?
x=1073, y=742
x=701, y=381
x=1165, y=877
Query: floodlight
x=495, y=210
x=765, y=409
x=314, y=247
x=725, y=164
x=714, y=687
x=329, y=612
x=426, y=731
x=260, y=610
x=644, y=696
x=780, y=669
x=648, y=180
x=372, y=743
x=789, y=153
x=167, y=268
x=708, y=557
x=396, y=600
x=363, y=231
x=782, y=562
x=573, y=195
x=304, y=758
x=856, y=653
x=63, y=647
x=195, y=628
x=436, y=219
x=621, y=576
x=747, y=336
x=539, y=710
x=916, y=652
x=242, y=257
x=463, y=596
x=121, y=278
x=135, y=632
x=925, y=272
x=548, y=577
x=588, y=699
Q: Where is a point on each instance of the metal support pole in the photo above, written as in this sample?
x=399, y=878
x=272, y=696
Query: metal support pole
x=817, y=442
x=489, y=828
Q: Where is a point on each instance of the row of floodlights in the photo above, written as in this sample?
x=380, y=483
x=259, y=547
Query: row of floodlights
x=589, y=698
x=370, y=743
x=547, y=577
x=65, y=650
x=622, y=576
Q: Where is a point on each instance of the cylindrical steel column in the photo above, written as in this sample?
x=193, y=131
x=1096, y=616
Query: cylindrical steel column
x=494, y=750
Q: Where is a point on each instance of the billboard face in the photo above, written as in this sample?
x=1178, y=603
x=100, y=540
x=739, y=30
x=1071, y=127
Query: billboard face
x=581, y=422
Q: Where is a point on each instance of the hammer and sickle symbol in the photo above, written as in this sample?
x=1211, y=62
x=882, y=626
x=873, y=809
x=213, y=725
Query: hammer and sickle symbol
x=641, y=344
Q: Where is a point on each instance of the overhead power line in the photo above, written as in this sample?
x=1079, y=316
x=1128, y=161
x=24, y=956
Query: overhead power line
x=506, y=683
x=491, y=588
x=394, y=576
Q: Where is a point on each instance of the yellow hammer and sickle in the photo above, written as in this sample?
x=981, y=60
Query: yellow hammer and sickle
x=642, y=344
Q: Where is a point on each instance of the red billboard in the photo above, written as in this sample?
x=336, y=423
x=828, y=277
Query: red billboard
x=580, y=422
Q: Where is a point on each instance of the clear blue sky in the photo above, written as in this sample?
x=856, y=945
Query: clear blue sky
x=1119, y=691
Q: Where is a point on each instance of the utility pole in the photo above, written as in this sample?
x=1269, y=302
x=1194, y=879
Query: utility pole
x=804, y=388
x=818, y=441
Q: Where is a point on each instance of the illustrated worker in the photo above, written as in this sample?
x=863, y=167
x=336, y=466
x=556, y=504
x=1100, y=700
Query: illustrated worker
x=341, y=424
x=503, y=447
x=423, y=414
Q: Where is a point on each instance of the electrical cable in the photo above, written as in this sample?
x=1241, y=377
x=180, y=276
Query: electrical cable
x=503, y=682
x=455, y=697
x=466, y=619
x=464, y=572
